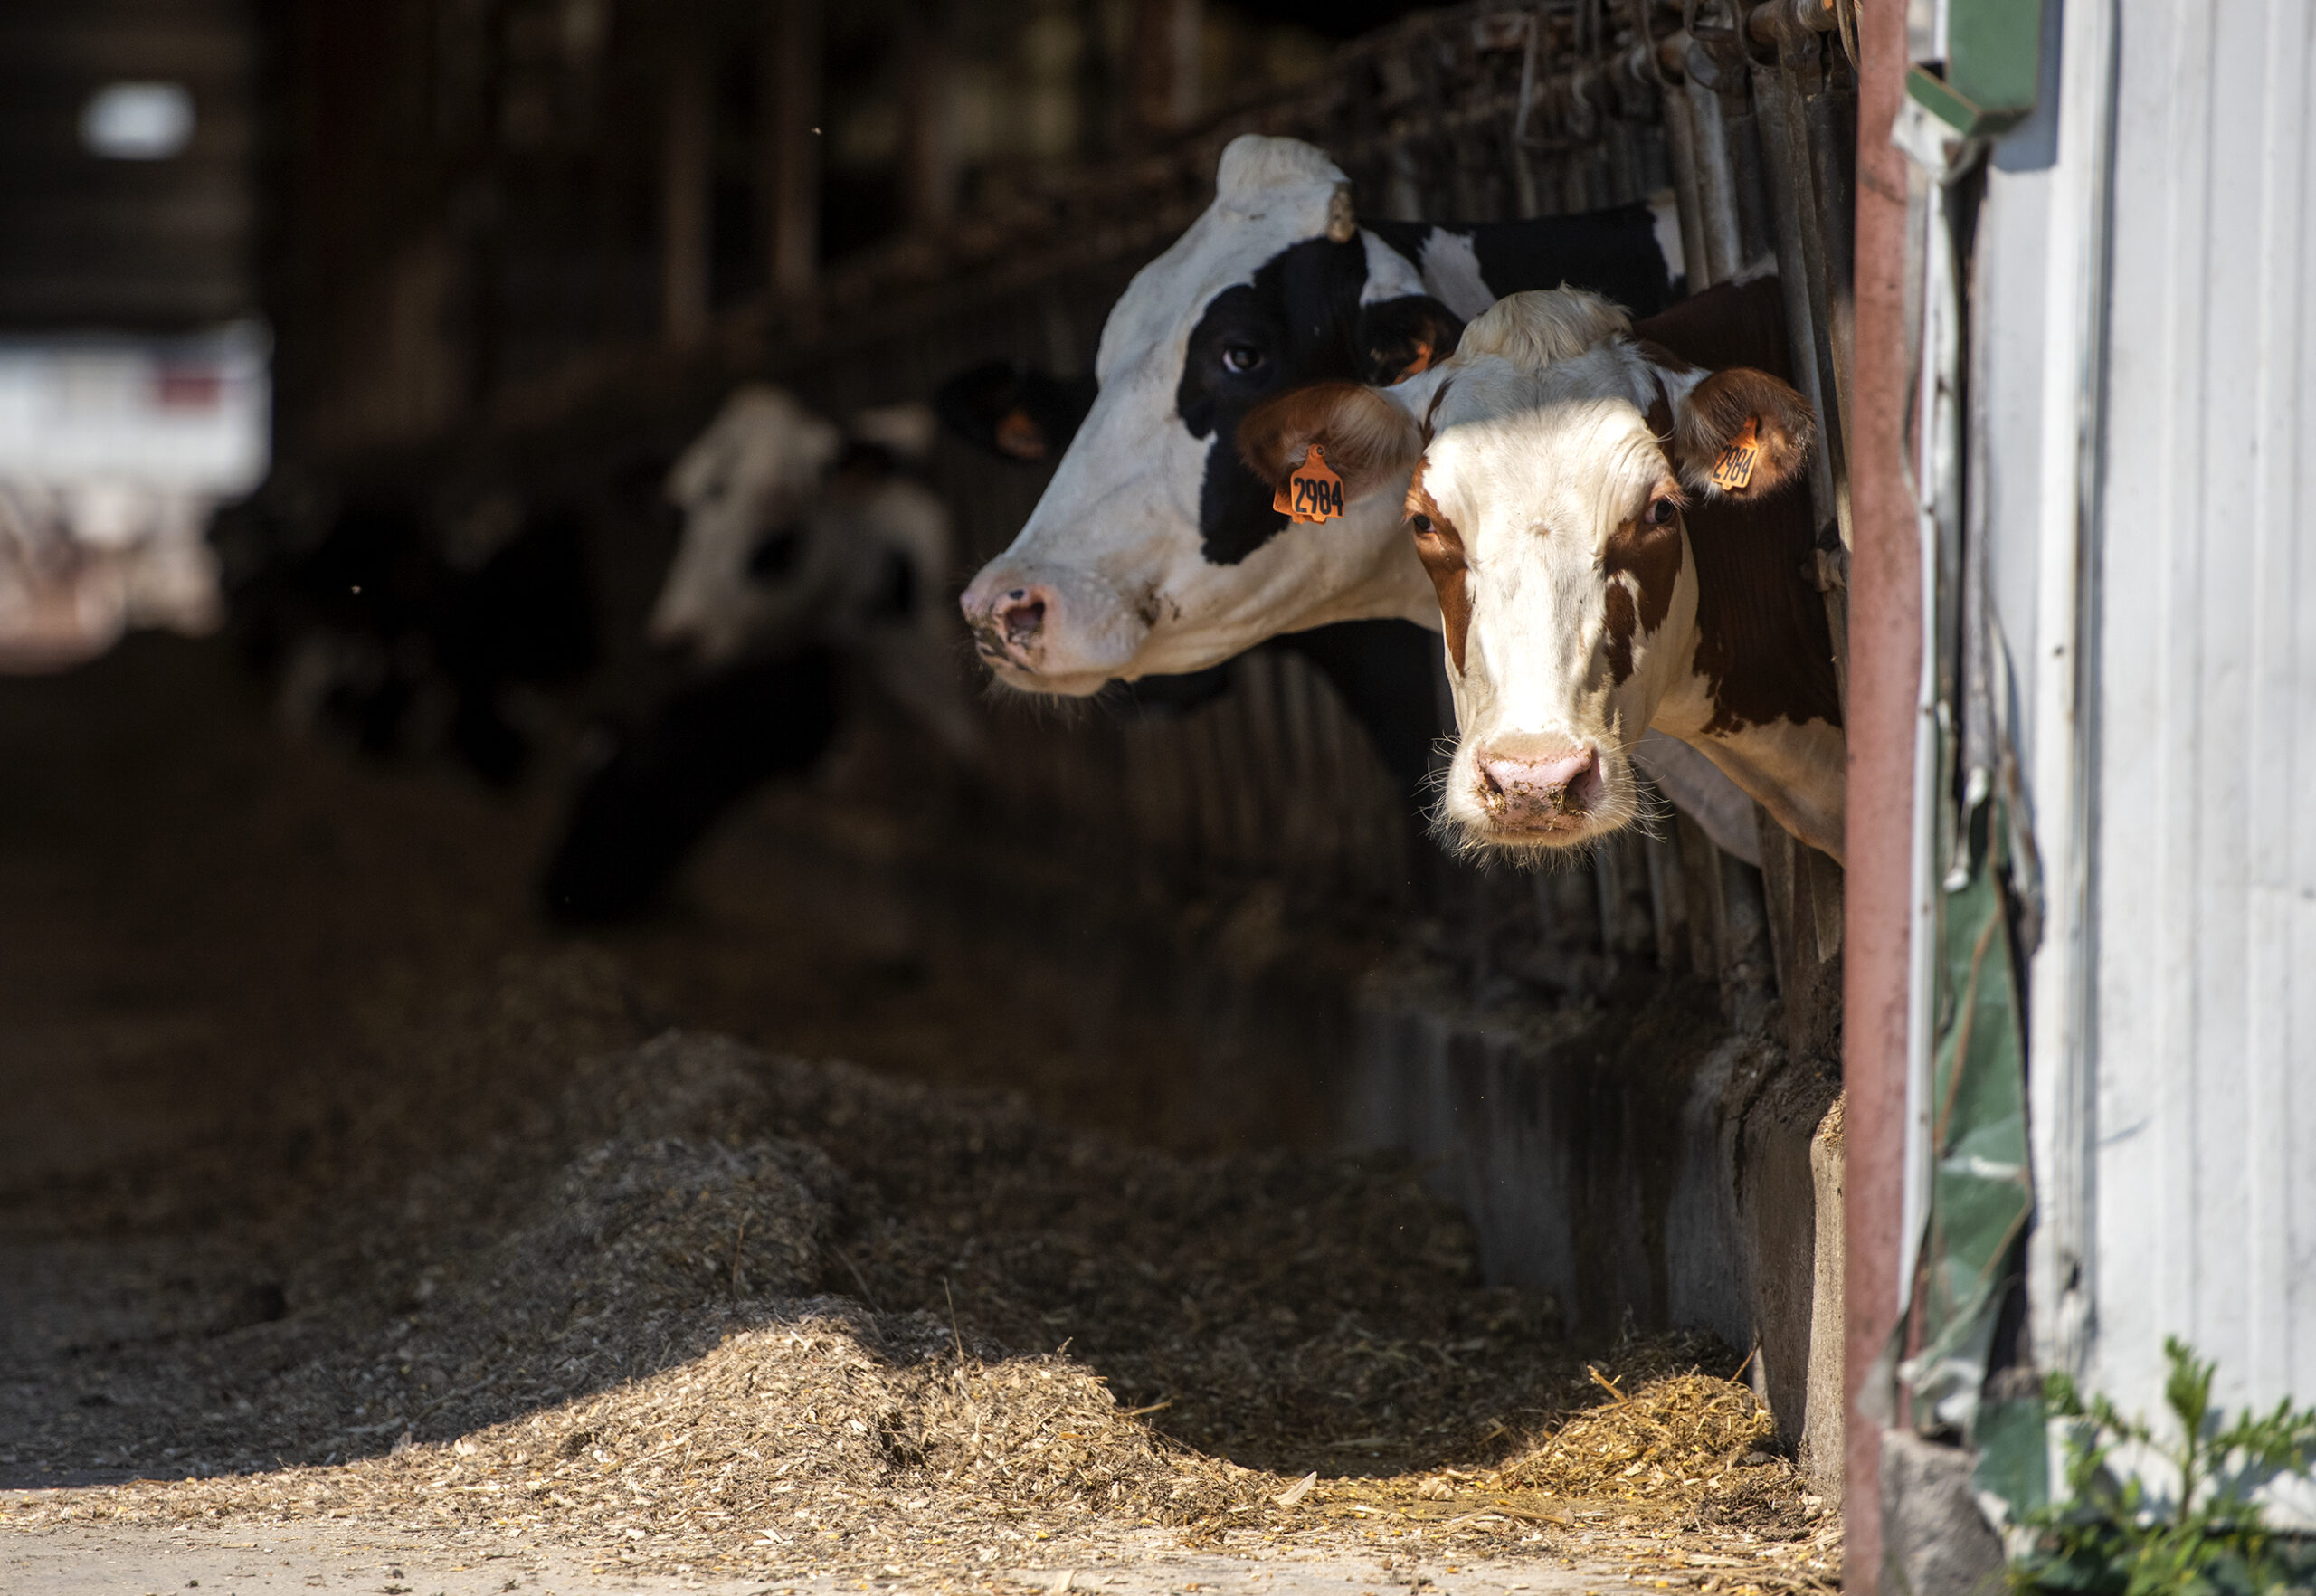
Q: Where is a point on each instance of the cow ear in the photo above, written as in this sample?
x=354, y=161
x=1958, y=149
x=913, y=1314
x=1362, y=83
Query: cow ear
x=1368, y=438
x=1742, y=433
x=1402, y=336
x=1012, y=410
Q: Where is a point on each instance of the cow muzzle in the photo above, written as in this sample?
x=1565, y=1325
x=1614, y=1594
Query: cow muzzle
x=1012, y=630
x=1538, y=795
x=1050, y=632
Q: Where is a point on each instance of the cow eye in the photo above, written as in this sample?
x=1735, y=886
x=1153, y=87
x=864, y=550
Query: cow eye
x=1419, y=524
x=1240, y=358
x=1659, y=512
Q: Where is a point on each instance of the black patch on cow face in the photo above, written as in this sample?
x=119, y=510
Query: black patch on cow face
x=1296, y=323
x=776, y=554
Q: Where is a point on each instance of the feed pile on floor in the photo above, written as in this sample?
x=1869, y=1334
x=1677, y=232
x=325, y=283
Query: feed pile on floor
x=700, y=1307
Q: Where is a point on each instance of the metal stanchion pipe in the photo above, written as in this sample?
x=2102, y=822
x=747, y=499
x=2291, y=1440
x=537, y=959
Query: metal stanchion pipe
x=1885, y=667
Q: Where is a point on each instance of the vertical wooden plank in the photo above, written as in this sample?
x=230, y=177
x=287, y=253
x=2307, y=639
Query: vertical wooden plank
x=1667, y=903
x=685, y=176
x=930, y=152
x=1701, y=880
x=1164, y=63
x=791, y=153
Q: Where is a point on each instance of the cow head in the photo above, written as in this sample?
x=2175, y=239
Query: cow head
x=796, y=527
x=1556, y=470
x=745, y=487
x=1154, y=549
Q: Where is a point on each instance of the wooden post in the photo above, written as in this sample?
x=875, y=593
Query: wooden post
x=1096, y=86
x=1884, y=676
x=686, y=176
x=929, y=104
x=790, y=184
x=1164, y=63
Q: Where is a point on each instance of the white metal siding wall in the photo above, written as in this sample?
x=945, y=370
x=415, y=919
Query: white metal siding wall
x=2204, y=823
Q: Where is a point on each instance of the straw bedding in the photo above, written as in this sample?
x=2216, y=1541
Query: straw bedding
x=701, y=1307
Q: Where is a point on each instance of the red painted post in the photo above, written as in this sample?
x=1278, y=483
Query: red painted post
x=1886, y=658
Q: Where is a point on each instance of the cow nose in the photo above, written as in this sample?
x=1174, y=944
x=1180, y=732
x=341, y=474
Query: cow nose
x=1541, y=791
x=1013, y=623
x=1022, y=616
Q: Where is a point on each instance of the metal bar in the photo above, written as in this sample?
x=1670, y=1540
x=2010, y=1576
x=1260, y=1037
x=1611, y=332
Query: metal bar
x=1793, y=206
x=1829, y=120
x=1714, y=175
x=1644, y=63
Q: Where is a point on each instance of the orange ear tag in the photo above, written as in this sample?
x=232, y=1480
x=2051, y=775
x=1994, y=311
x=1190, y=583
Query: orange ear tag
x=1732, y=468
x=1314, y=493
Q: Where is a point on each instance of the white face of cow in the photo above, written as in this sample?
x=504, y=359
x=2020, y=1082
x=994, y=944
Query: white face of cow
x=796, y=533
x=1559, y=467
x=1154, y=549
x=747, y=486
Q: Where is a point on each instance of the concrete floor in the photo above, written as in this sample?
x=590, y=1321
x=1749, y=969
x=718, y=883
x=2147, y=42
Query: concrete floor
x=138, y=1560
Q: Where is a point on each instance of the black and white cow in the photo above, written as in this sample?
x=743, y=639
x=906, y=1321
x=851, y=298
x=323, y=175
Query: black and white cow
x=809, y=555
x=1154, y=549
x=1381, y=667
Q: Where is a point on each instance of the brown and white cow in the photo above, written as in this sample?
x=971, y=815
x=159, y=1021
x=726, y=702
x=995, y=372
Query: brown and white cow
x=1610, y=527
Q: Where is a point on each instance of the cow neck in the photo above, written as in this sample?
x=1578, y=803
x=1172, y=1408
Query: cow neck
x=1762, y=703
x=1765, y=705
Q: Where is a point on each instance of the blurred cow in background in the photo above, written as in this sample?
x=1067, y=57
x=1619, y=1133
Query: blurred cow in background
x=113, y=450
x=80, y=566
x=808, y=555
x=402, y=630
x=797, y=533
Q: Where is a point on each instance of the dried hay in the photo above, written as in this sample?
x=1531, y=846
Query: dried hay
x=696, y=1307
x=1684, y=1437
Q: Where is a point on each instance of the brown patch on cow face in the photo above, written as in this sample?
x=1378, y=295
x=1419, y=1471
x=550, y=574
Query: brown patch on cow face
x=1366, y=436
x=1647, y=550
x=1440, y=547
x=1622, y=622
x=1431, y=411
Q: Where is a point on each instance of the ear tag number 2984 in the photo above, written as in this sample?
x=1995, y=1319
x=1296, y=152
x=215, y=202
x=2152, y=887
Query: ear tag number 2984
x=1732, y=468
x=1314, y=493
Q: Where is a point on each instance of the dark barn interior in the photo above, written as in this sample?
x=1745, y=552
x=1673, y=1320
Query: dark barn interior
x=446, y=1023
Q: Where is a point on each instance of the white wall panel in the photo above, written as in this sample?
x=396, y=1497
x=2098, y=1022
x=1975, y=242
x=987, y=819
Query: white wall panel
x=2203, y=892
